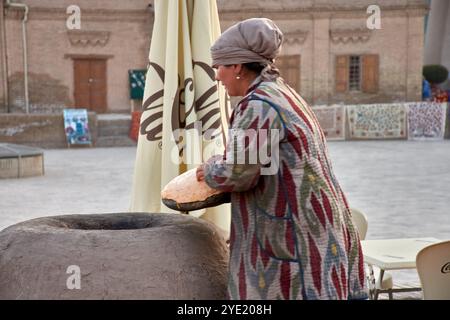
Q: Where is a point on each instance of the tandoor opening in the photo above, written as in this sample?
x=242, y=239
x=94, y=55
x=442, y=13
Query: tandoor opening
x=104, y=221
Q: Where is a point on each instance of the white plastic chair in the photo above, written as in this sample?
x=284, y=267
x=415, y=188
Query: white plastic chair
x=433, y=267
x=361, y=223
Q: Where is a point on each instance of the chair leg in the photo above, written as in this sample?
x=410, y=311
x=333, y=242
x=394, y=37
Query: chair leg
x=371, y=283
x=391, y=295
x=381, y=281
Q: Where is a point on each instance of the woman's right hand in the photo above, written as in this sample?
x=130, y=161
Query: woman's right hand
x=200, y=173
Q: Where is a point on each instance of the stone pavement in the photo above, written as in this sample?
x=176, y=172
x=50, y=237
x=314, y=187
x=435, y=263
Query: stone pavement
x=402, y=186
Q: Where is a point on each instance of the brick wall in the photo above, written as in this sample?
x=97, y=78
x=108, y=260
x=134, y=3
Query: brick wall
x=50, y=49
x=39, y=130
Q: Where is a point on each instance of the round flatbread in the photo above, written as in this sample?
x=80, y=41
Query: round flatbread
x=185, y=193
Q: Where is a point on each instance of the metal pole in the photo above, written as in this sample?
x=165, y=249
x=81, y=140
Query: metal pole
x=4, y=58
x=25, y=49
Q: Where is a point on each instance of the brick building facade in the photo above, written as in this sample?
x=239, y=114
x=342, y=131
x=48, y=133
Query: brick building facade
x=86, y=67
x=329, y=54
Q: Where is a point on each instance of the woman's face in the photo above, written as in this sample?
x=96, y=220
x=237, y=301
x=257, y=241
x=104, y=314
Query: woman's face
x=227, y=75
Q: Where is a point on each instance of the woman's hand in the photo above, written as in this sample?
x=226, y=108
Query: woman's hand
x=200, y=173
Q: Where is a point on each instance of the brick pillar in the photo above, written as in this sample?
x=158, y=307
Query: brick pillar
x=321, y=58
x=415, y=55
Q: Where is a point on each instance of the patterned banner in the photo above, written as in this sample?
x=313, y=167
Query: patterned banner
x=426, y=120
x=377, y=121
x=332, y=121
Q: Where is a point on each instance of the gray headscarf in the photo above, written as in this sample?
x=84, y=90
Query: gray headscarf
x=252, y=40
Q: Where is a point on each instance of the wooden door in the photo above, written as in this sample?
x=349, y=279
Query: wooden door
x=82, y=86
x=90, y=84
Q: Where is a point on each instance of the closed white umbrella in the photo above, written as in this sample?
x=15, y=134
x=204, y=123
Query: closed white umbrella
x=184, y=115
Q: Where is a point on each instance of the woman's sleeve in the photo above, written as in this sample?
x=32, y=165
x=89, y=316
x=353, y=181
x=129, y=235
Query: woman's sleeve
x=251, y=149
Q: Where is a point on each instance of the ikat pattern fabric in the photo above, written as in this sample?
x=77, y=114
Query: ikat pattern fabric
x=426, y=120
x=377, y=121
x=331, y=120
x=292, y=236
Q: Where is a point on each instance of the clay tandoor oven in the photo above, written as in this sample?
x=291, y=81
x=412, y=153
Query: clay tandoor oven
x=113, y=256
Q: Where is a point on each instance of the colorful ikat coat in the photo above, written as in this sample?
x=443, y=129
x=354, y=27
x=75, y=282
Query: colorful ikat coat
x=292, y=236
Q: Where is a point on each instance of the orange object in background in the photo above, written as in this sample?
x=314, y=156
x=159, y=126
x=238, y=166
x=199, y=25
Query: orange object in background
x=135, y=124
x=439, y=95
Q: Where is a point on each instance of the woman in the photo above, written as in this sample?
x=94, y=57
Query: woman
x=291, y=235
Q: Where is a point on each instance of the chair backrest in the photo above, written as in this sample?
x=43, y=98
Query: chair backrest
x=433, y=267
x=360, y=221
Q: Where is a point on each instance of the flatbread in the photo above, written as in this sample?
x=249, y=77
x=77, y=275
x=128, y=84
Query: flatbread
x=185, y=193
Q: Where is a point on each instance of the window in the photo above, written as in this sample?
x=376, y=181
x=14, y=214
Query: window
x=357, y=73
x=354, y=78
x=289, y=67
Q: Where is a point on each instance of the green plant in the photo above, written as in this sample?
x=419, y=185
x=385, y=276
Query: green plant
x=435, y=73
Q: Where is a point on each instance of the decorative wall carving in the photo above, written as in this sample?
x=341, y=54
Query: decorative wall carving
x=295, y=37
x=88, y=38
x=95, y=15
x=350, y=35
x=236, y=10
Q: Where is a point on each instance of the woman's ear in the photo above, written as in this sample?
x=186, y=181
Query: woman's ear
x=237, y=69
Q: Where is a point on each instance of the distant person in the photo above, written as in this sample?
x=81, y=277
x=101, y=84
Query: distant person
x=426, y=90
x=292, y=235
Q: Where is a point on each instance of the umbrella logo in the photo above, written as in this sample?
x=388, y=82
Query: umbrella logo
x=446, y=268
x=205, y=106
x=154, y=119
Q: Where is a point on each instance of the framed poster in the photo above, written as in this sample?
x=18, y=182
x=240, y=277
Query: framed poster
x=76, y=127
